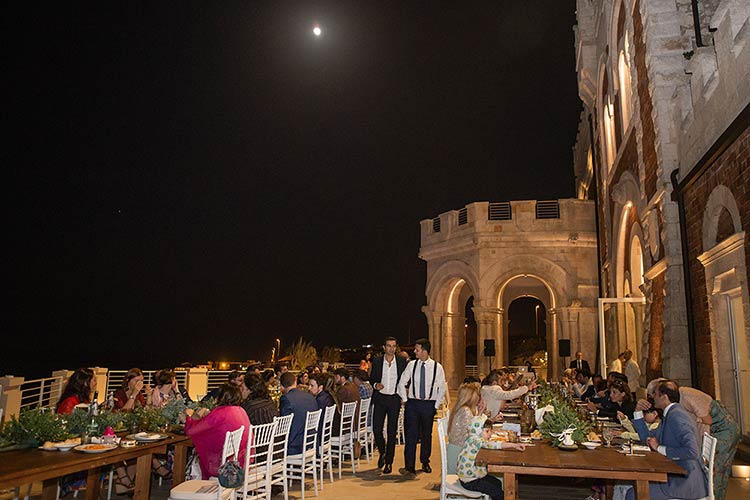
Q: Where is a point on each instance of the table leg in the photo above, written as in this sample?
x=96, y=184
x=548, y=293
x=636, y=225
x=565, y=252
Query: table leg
x=143, y=477
x=510, y=486
x=180, y=462
x=93, y=484
x=641, y=490
x=49, y=488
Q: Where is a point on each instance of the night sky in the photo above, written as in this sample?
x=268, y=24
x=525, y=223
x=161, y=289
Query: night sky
x=191, y=180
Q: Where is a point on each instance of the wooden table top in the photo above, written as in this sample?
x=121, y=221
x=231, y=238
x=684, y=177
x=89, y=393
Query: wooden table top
x=544, y=456
x=25, y=466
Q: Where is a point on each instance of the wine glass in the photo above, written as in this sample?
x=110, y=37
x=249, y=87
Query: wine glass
x=607, y=434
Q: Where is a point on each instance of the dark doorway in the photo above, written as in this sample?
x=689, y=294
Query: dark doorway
x=527, y=331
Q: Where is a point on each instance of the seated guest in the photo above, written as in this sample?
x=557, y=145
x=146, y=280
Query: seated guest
x=208, y=429
x=495, y=396
x=345, y=392
x=324, y=399
x=78, y=390
x=616, y=401
x=258, y=405
x=303, y=380
x=473, y=476
x=129, y=394
x=298, y=403
x=469, y=403
x=166, y=389
x=712, y=417
x=601, y=389
x=361, y=379
x=676, y=438
x=235, y=377
x=583, y=387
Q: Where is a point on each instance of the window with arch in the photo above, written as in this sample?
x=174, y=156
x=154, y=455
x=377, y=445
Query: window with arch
x=625, y=90
x=608, y=129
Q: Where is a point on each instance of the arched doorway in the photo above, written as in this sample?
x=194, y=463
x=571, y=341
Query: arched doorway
x=527, y=331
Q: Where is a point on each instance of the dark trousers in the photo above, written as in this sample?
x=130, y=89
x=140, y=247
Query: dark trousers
x=489, y=485
x=418, y=417
x=389, y=405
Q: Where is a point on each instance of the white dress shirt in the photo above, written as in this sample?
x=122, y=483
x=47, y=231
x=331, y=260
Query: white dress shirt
x=439, y=388
x=389, y=377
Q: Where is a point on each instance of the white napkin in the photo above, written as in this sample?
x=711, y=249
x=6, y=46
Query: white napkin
x=539, y=413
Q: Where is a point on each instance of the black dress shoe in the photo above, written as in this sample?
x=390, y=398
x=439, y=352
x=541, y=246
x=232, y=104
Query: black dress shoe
x=426, y=468
x=387, y=469
x=381, y=461
x=407, y=471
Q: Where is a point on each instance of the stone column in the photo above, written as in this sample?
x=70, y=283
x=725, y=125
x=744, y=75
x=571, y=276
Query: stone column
x=553, y=359
x=488, y=322
x=454, y=349
x=11, y=396
x=434, y=333
x=196, y=383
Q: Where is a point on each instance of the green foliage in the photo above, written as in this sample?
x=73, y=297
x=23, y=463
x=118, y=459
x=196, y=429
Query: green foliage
x=303, y=354
x=32, y=428
x=35, y=426
x=330, y=354
x=564, y=416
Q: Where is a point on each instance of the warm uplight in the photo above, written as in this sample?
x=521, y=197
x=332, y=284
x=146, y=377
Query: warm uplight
x=317, y=31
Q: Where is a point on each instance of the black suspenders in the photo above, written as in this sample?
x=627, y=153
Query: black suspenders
x=413, y=379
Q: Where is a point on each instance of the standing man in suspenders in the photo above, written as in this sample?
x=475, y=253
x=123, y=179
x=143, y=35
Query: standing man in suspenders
x=426, y=380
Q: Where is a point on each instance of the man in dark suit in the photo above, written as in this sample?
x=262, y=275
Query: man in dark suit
x=297, y=403
x=580, y=364
x=677, y=439
x=385, y=374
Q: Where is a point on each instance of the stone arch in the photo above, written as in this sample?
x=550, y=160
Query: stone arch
x=448, y=290
x=444, y=279
x=721, y=198
x=627, y=195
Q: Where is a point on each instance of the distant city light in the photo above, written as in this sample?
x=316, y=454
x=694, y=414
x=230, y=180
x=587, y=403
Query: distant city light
x=317, y=31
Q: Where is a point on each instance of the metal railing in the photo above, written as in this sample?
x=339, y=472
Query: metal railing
x=436, y=225
x=43, y=392
x=216, y=378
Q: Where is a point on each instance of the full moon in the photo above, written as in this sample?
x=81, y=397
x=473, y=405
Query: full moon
x=317, y=31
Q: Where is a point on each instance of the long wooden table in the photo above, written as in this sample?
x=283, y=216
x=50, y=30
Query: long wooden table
x=21, y=467
x=602, y=463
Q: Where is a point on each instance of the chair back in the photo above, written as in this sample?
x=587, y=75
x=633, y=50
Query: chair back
x=232, y=441
x=346, y=426
x=442, y=432
x=364, y=411
x=281, y=438
x=325, y=435
x=258, y=459
x=708, y=453
x=311, y=432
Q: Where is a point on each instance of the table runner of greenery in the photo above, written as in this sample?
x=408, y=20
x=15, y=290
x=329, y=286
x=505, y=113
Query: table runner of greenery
x=35, y=426
x=564, y=416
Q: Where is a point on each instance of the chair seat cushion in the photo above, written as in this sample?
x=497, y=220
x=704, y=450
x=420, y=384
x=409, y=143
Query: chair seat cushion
x=453, y=486
x=198, y=489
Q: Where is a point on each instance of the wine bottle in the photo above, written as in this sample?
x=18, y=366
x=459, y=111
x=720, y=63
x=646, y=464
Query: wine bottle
x=94, y=406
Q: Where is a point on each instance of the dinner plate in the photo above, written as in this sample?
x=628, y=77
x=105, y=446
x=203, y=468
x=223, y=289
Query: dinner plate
x=65, y=447
x=147, y=437
x=95, y=448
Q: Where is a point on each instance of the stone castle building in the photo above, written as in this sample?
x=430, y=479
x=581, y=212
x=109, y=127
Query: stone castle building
x=663, y=147
x=495, y=253
x=653, y=254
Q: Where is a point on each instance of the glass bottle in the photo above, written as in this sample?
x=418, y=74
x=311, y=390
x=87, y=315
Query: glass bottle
x=94, y=406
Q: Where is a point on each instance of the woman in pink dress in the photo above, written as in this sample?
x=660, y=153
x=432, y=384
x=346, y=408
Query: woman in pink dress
x=208, y=429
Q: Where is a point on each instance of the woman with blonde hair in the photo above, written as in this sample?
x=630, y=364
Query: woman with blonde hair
x=469, y=403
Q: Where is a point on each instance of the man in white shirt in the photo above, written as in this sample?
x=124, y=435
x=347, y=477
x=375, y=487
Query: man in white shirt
x=631, y=370
x=427, y=388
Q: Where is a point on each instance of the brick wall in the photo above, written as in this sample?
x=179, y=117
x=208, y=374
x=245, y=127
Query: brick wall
x=731, y=169
x=648, y=133
x=656, y=329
